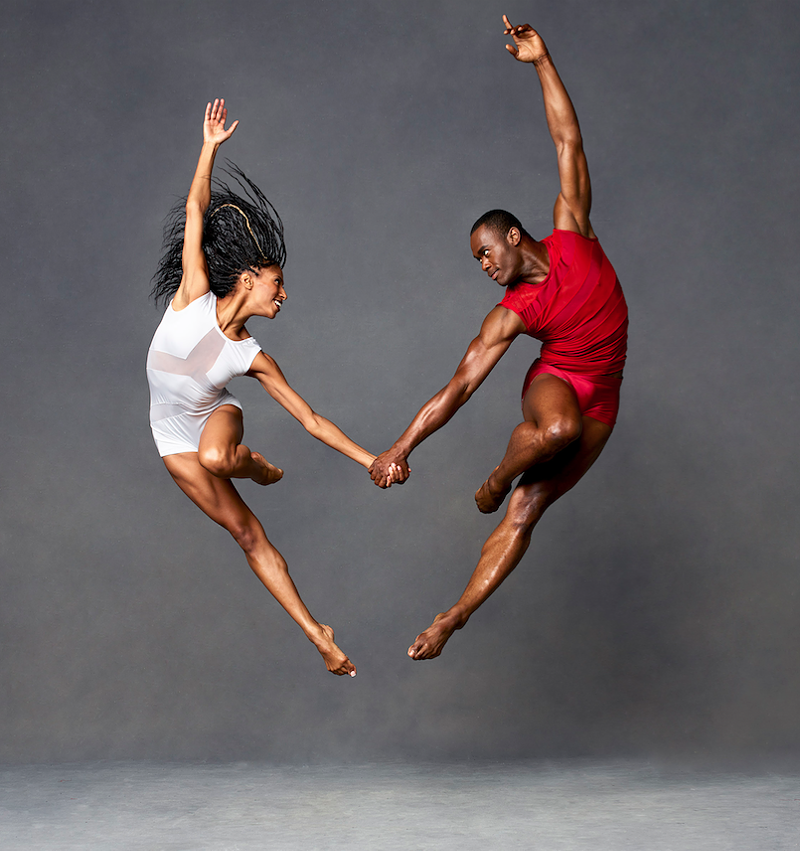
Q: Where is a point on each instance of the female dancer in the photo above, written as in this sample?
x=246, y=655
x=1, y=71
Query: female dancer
x=222, y=264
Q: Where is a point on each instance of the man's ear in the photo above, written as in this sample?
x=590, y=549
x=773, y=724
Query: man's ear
x=513, y=236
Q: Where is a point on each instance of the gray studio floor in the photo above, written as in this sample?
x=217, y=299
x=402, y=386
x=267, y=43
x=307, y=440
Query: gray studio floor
x=602, y=806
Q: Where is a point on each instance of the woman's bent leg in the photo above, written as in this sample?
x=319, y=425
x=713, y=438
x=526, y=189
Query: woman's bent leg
x=219, y=499
x=223, y=454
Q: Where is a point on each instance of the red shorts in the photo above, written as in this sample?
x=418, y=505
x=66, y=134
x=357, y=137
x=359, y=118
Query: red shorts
x=598, y=395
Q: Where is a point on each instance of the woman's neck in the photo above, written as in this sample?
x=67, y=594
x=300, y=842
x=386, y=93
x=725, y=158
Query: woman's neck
x=231, y=316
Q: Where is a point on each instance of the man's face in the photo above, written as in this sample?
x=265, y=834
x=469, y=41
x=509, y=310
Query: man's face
x=499, y=256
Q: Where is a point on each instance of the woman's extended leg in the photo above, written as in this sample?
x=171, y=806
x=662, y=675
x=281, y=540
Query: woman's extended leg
x=224, y=455
x=219, y=499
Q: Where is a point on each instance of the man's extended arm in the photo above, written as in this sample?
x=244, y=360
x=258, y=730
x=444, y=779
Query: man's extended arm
x=498, y=331
x=574, y=202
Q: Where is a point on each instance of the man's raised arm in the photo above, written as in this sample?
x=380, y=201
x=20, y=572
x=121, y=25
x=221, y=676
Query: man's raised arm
x=574, y=202
x=498, y=331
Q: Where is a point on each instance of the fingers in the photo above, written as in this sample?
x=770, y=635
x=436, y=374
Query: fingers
x=512, y=50
x=217, y=112
x=385, y=475
x=214, y=124
x=520, y=30
x=379, y=476
x=399, y=473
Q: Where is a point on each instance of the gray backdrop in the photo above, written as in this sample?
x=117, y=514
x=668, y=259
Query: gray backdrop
x=656, y=609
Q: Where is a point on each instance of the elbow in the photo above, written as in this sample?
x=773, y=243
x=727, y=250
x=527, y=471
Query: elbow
x=464, y=396
x=570, y=143
x=195, y=208
x=313, y=424
x=462, y=391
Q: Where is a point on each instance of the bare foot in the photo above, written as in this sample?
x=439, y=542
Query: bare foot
x=489, y=498
x=335, y=661
x=429, y=644
x=270, y=474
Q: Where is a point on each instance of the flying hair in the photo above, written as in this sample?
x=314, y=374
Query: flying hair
x=244, y=216
x=241, y=232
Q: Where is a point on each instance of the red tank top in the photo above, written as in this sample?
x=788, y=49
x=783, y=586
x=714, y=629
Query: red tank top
x=578, y=311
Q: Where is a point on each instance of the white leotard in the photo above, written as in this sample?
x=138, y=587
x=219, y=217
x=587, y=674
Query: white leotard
x=188, y=365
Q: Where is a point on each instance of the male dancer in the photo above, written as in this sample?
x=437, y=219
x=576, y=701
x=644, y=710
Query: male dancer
x=564, y=292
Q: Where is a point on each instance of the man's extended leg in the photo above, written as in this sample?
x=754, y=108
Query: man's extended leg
x=538, y=488
x=552, y=422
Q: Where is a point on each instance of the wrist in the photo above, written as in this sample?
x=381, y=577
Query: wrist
x=542, y=61
x=402, y=449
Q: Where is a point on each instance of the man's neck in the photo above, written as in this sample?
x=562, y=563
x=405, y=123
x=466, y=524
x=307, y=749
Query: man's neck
x=536, y=261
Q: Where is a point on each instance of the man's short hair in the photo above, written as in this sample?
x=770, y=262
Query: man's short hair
x=498, y=221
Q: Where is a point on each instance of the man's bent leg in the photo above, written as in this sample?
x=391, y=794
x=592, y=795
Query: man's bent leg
x=538, y=489
x=223, y=454
x=552, y=422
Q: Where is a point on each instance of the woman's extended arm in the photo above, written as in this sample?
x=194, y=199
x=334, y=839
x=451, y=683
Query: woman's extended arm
x=194, y=282
x=272, y=380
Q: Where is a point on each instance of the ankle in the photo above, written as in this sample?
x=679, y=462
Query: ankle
x=495, y=484
x=456, y=617
x=317, y=635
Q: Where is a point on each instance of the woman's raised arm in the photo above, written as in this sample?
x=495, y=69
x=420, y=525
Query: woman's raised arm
x=194, y=281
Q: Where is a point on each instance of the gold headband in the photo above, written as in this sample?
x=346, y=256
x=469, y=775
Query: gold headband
x=244, y=216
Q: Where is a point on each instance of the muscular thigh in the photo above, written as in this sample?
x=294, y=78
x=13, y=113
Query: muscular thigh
x=554, y=478
x=547, y=399
x=550, y=399
x=224, y=429
x=218, y=498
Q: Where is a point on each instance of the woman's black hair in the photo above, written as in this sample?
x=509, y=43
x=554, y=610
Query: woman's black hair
x=240, y=233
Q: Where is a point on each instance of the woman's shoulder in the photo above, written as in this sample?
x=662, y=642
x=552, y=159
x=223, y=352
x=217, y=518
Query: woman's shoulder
x=181, y=301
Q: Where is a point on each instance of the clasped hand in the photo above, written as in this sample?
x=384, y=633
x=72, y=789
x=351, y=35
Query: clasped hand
x=389, y=468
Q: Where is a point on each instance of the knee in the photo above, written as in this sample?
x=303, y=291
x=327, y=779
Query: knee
x=217, y=461
x=246, y=534
x=527, y=506
x=563, y=431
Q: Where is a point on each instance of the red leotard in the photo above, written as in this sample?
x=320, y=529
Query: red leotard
x=579, y=314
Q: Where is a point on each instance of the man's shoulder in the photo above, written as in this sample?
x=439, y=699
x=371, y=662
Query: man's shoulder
x=564, y=235
x=504, y=318
x=567, y=247
x=501, y=314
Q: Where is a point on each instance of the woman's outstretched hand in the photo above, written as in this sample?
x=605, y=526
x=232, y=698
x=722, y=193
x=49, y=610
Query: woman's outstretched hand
x=528, y=44
x=214, y=124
